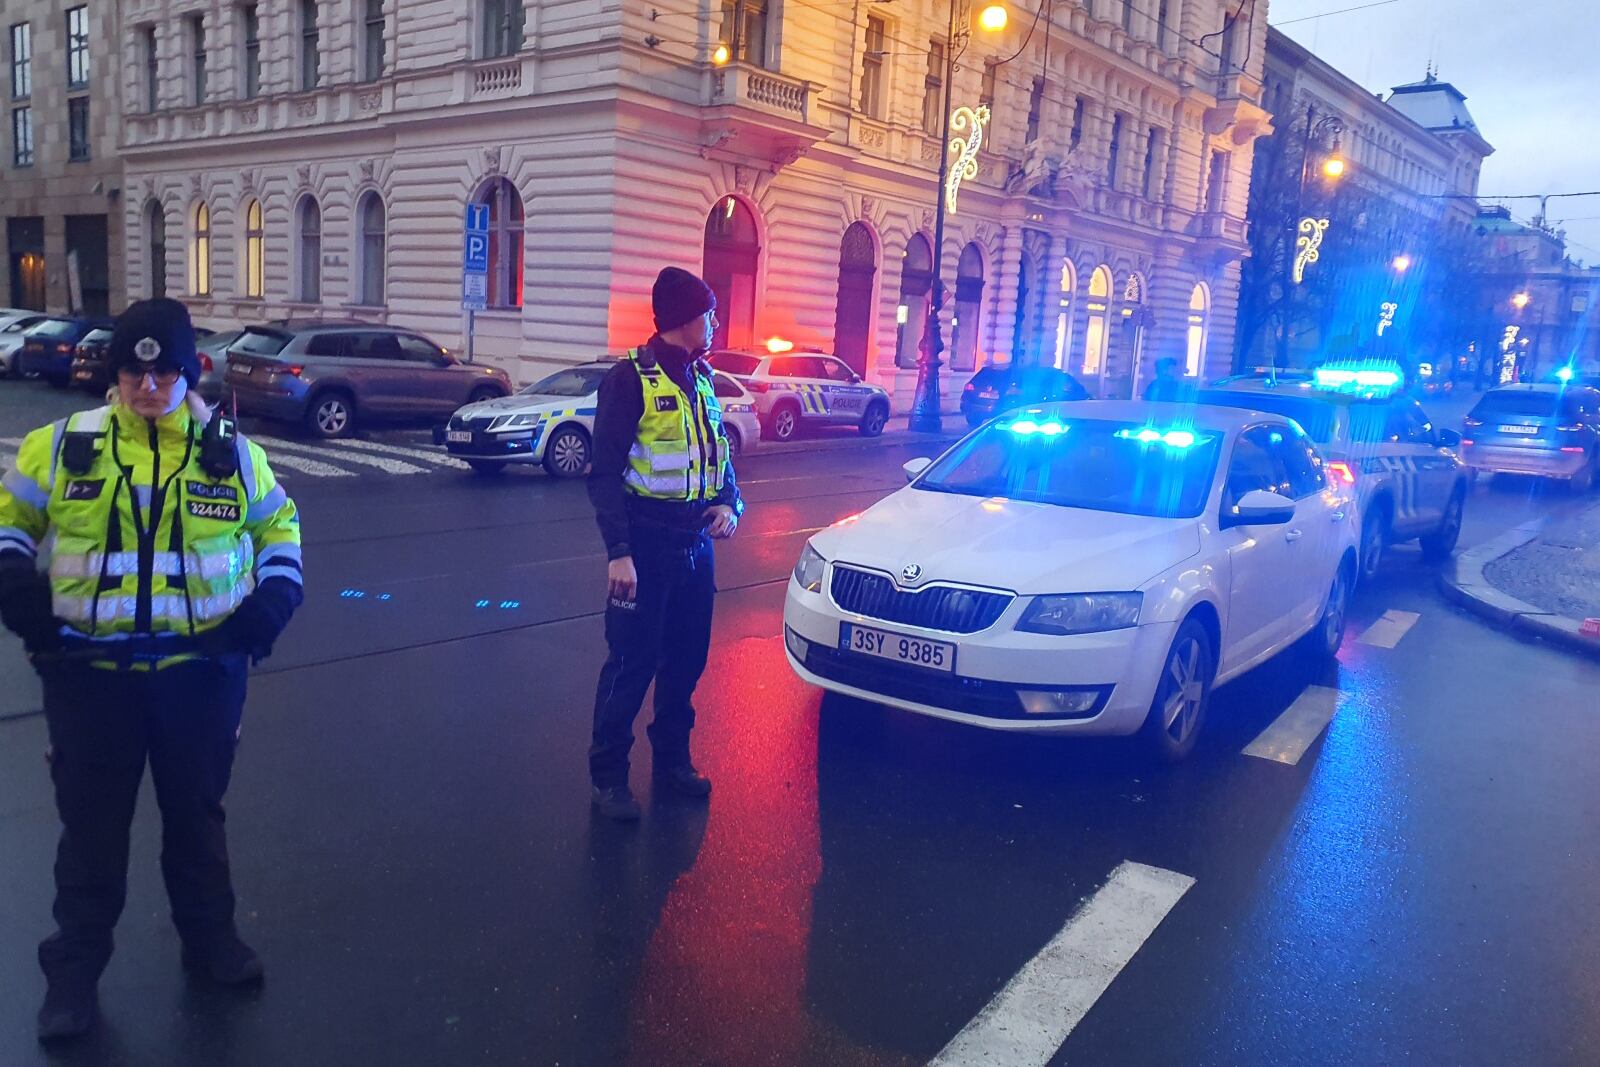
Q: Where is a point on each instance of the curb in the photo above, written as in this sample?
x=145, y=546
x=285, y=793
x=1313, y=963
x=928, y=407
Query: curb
x=1464, y=583
x=937, y=441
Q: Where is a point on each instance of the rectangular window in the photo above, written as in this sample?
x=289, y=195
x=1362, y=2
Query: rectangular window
x=1035, y=110
x=250, y=31
x=1151, y=148
x=1077, y=122
x=373, y=32
x=743, y=21
x=77, y=47
x=1114, y=157
x=197, y=69
x=310, y=40
x=152, y=70
x=872, y=68
x=1225, y=53
x=991, y=77
x=503, y=27
x=1161, y=24
x=1127, y=15
x=933, y=90
x=21, y=61
x=1217, y=182
x=22, y=136
x=78, y=128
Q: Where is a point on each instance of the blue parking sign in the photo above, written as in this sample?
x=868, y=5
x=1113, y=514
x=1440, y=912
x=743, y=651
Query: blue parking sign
x=475, y=257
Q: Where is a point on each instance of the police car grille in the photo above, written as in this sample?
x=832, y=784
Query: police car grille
x=459, y=423
x=959, y=611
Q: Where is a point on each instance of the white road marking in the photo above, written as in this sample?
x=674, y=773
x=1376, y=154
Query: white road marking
x=11, y=442
x=1387, y=631
x=439, y=458
x=1291, y=733
x=281, y=461
x=1027, y=1021
x=388, y=466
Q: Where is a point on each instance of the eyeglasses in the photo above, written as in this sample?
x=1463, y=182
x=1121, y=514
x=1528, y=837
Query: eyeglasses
x=136, y=376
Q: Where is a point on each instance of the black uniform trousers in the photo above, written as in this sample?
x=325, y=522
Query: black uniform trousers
x=664, y=635
x=104, y=726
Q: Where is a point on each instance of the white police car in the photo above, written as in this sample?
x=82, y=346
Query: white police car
x=794, y=389
x=552, y=421
x=1408, y=478
x=1093, y=567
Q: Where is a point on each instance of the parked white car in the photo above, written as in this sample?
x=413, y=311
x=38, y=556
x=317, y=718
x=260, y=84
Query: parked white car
x=1087, y=568
x=552, y=422
x=13, y=324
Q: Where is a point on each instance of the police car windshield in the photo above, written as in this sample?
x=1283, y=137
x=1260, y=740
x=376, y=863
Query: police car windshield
x=578, y=381
x=1164, y=472
x=1318, y=418
x=735, y=363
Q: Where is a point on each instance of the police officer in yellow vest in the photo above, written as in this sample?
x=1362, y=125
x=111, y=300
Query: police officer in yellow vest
x=146, y=552
x=663, y=488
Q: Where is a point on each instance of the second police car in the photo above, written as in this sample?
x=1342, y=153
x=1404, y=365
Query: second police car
x=797, y=389
x=551, y=423
x=1408, y=479
x=1095, y=567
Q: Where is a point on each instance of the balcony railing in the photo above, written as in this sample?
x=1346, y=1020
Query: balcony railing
x=492, y=79
x=741, y=85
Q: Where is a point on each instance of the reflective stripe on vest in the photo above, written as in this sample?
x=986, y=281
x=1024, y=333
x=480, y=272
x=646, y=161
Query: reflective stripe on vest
x=218, y=565
x=164, y=608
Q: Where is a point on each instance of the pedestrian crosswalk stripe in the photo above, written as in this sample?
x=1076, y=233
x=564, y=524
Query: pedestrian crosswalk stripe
x=387, y=465
x=1387, y=631
x=281, y=461
x=439, y=458
x=1027, y=1022
x=1291, y=733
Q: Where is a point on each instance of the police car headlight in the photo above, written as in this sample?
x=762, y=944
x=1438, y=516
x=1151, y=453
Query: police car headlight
x=512, y=422
x=1081, y=613
x=808, y=572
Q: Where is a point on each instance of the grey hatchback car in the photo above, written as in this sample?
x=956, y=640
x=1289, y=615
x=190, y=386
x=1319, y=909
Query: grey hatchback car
x=328, y=376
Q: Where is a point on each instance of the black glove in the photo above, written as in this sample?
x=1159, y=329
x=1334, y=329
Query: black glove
x=258, y=621
x=26, y=610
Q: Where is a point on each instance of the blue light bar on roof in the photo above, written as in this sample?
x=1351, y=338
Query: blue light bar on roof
x=1149, y=435
x=1564, y=374
x=1362, y=378
x=1028, y=428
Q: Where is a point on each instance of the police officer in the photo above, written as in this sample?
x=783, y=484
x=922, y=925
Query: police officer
x=662, y=488
x=173, y=556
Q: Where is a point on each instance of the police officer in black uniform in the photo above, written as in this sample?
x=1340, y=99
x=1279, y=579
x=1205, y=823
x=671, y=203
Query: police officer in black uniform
x=663, y=488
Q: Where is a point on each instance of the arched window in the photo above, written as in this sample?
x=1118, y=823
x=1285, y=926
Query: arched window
x=155, y=228
x=373, y=249
x=308, y=235
x=1096, y=335
x=916, y=284
x=1199, y=329
x=255, y=256
x=852, y=318
x=968, y=309
x=1069, y=288
x=732, y=264
x=200, y=252
x=505, y=242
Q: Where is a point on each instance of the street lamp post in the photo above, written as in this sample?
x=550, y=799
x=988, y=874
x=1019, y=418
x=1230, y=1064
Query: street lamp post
x=925, y=414
x=1333, y=168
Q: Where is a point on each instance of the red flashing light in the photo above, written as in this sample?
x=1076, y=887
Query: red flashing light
x=1342, y=472
x=1467, y=442
x=777, y=345
x=1579, y=449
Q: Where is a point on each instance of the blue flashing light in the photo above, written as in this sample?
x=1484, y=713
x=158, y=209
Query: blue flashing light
x=1028, y=427
x=1564, y=374
x=1148, y=435
x=1369, y=378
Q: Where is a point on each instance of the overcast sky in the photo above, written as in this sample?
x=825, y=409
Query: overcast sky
x=1529, y=71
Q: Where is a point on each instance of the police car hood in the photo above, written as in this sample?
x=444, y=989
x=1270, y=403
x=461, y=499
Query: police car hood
x=521, y=404
x=1023, y=547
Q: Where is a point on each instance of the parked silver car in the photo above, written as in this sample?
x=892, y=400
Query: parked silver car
x=13, y=324
x=328, y=376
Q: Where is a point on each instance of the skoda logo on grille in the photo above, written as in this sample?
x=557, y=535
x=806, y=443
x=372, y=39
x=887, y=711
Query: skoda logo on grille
x=910, y=572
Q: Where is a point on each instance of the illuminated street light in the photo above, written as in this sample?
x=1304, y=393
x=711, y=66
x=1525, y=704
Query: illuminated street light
x=721, y=54
x=1520, y=301
x=1333, y=167
x=1402, y=263
x=992, y=19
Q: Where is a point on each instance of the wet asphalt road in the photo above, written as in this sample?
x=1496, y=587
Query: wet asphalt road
x=418, y=865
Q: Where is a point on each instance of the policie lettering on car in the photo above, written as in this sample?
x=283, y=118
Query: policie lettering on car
x=205, y=509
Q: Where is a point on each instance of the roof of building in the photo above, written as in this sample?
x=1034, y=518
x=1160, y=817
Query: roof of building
x=1433, y=105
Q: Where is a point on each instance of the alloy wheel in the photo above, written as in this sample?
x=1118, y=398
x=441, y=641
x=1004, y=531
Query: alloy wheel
x=569, y=454
x=784, y=424
x=1372, y=543
x=1186, y=677
x=333, y=417
x=1333, y=615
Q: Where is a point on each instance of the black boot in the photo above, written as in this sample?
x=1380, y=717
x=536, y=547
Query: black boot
x=225, y=961
x=616, y=803
x=70, y=1009
x=684, y=780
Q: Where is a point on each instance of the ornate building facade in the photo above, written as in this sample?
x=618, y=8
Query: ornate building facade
x=313, y=158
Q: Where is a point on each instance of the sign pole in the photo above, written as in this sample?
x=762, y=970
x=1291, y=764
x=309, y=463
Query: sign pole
x=471, y=314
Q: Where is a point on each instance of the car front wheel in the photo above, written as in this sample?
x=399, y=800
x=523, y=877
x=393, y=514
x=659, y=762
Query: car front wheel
x=567, y=454
x=1182, y=695
x=1439, y=544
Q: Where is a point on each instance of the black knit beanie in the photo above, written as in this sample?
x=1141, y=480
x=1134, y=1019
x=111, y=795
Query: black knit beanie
x=679, y=298
x=154, y=335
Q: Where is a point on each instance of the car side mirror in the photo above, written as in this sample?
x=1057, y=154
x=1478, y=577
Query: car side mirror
x=914, y=467
x=1449, y=439
x=1259, y=507
x=855, y=379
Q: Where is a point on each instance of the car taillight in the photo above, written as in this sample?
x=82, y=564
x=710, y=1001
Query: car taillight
x=63, y=348
x=205, y=364
x=970, y=388
x=1579, y=449
x=1341, y=472
x=293, y=369
x=757, y=387
x=1467, y=442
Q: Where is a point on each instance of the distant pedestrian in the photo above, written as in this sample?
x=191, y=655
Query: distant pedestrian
x=662, y=486
x=1169, y=385
x=173, y=556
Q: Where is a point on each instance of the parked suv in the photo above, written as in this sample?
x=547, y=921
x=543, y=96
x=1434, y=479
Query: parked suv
x=49, y=346
x=805, y=388
x=330, y=375
x=1002, y=387
x=1548, y=430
